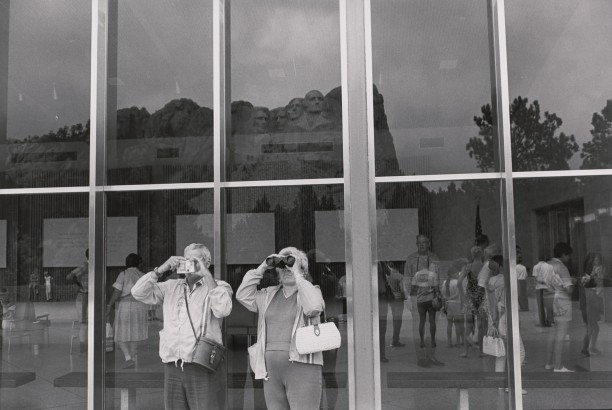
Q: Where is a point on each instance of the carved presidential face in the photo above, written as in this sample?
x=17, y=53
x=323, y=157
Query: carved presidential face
x=260, y=121
x=314, y=102
x=281, y=118
x=295, y=109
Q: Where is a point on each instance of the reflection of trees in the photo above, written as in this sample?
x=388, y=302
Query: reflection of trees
x=597, y=153
x=535, y=142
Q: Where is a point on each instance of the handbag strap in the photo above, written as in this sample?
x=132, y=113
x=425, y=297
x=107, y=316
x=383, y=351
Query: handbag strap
x=204, y=314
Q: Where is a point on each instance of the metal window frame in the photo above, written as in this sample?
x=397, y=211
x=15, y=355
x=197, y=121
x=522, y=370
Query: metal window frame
x=502, y=135
x=359, y=185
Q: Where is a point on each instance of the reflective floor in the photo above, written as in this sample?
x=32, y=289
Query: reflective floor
x=53, y=360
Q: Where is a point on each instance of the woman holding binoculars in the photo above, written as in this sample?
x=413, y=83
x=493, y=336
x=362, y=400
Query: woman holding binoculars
x=291, y=380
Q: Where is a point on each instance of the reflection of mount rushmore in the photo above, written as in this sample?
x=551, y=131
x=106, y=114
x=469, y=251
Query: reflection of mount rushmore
x=300, y=140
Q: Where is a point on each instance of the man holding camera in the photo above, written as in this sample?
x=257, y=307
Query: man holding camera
x=187, y=385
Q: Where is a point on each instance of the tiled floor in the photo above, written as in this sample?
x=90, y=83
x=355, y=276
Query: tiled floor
x=54, y=360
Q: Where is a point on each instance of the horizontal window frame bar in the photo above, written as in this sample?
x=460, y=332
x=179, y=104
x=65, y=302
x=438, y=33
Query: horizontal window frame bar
x=565, y=173
x=50, y=190
x=441, y=177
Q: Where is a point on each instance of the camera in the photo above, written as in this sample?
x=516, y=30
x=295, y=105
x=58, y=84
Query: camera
x=280, y=261
x=186, y=266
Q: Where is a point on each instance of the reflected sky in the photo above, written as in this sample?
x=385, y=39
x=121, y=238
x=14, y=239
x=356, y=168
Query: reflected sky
x=430, y=58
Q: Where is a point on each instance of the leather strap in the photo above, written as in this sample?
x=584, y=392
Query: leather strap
x=204, y=312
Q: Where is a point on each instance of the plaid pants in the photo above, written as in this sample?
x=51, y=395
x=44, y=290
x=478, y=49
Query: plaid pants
x=189, y=387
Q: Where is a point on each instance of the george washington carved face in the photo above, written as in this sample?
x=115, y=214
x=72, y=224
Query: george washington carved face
x=314, y=102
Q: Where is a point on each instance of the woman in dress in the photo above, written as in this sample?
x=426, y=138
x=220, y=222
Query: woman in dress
x=131, y=324
x=292, y=380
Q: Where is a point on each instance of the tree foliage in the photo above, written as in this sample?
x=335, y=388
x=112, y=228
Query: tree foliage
x=597, y=153
x=535, y=142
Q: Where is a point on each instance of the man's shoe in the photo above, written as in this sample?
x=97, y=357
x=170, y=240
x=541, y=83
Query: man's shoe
x=383, y=359
x=549, y=366
x=436, y=362
x=398, y=344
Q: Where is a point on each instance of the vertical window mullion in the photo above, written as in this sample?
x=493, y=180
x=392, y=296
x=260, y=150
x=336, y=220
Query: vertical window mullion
x=360, y=206
x=103, y=11
x=500, y=100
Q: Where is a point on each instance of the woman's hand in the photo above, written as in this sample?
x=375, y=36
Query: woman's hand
x=264, y=265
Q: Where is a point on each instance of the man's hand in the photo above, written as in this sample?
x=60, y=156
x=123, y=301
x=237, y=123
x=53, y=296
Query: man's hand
x=171, y=264
x=202, y=271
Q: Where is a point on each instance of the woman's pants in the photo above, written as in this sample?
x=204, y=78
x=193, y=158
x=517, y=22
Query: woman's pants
x=291, y=385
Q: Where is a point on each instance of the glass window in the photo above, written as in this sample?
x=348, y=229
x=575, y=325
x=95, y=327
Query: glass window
x=286, y=106
x=561, y=107
x=563, y=231
x=437, y=243
x=261, y=222
x=144, y=230
x=432, y=110
x=43, y=295
x=44, y=93
x=161, y=89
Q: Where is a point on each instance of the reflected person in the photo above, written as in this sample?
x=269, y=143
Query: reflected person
x=591, y=301
x=130, y=326
x=421, y=277
x=186, y=385
x=291, y=380
x=80, y=277
x=391, y=295
x=562, y=284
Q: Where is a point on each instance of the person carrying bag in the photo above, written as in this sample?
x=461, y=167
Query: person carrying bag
x=292, y=379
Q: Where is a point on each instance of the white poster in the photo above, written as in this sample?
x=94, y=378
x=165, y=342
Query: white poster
x=250, y=236
x=3, y=234
x=66, y=239
x=396, y=239
x=397, y=231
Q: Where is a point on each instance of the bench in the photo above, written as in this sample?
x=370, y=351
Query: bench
x=129, y=382
x=16, y=379
x=462, y=381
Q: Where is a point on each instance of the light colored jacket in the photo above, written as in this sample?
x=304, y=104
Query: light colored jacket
x=176, y=339
x=309, y=301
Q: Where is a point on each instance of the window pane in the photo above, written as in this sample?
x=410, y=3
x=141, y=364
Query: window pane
x=43, y=292
x=265, y=221
x=437, y=239
x=432, y=111
x=286, y=97
x=144, y=229
x=563, y=228
x=559, y=59
x=44, y=93
x=162, y=92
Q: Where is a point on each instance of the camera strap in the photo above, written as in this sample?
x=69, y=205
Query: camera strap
x=204, y=314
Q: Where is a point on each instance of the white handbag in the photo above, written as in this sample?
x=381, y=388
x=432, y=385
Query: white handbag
x=493, y=344
x=317, y=337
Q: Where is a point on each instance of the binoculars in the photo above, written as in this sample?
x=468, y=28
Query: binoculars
x=280, y=261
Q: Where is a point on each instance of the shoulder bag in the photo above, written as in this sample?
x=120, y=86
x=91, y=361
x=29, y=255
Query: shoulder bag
x=207, y=353
x=317, y=337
